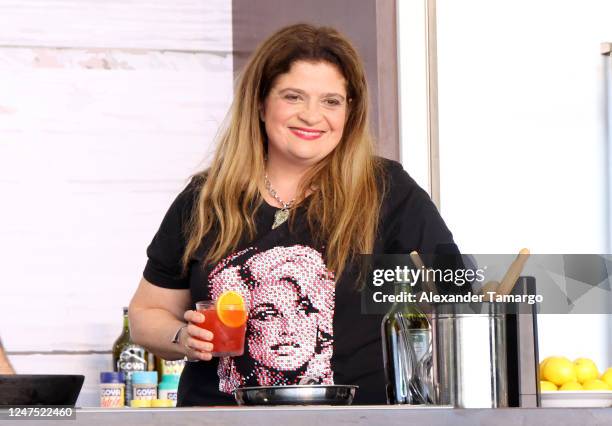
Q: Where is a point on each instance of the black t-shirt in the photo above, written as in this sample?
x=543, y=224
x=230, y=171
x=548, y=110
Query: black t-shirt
x=301, y=323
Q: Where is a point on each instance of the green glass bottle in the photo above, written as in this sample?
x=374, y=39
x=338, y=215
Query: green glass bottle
x=406, y=335
x=128, y=357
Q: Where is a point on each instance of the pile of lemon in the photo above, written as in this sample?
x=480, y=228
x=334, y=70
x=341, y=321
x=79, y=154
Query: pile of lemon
x=559, y=373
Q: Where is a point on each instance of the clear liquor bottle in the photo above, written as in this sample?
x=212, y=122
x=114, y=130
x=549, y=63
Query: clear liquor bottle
x=406, y=336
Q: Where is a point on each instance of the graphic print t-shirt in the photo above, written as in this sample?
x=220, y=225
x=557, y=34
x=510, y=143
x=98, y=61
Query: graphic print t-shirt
x=302, y=324
x=289, y=295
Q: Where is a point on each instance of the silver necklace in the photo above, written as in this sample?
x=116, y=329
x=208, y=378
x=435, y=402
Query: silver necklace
x=282, y=214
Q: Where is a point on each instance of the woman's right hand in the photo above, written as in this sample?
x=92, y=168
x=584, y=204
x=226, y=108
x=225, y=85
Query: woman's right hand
x=196, y=340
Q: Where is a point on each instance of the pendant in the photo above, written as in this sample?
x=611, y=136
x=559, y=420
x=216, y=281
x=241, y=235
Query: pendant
x=280, y=217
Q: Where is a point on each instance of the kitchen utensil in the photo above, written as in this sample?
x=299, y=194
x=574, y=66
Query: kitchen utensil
x=428, y=285
x=490, y=287
x=296, y=395
x=469, y=356
x=425, y=375
x=513, y=272
x=40, y=389
x=412, y=380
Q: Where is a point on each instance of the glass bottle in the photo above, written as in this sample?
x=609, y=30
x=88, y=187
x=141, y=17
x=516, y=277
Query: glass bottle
x=406, y=337
x=129, y=357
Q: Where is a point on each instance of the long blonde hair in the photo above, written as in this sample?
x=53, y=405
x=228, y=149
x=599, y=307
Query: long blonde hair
x=343, y=211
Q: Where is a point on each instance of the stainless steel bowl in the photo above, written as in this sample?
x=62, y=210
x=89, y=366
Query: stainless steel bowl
x=296, y=395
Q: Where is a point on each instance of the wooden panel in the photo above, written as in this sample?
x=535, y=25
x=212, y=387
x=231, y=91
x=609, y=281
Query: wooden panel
x=90, y=159
x=388, y=91
x=193, y=25
x=30, y=59
x=88, y=365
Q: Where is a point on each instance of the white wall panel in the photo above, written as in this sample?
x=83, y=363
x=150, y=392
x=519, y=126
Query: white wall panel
x=106, y=108
x=521, y=123
x=136, y=24
x=89, y=161
x=522, y=142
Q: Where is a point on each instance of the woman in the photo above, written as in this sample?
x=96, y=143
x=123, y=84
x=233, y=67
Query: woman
x=294, y=167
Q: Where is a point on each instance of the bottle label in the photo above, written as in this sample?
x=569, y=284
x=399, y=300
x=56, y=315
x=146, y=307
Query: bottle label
x=172, y=367
x=145, y=392
x=172, y=395
x=112, y=397
x=111, y=392
x=419, y=340
x=132, y=358
x=127, y=366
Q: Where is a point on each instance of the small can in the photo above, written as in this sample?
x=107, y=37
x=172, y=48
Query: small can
x=144, y=385
x=168, y=388
x=112, y=389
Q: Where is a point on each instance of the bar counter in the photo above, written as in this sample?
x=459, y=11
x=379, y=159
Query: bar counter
x=326, y=415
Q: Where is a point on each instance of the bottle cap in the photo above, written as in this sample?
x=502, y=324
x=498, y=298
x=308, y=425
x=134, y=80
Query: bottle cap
x=140, y=403
x=144, y=378
x=112, y=377
x=161, y=403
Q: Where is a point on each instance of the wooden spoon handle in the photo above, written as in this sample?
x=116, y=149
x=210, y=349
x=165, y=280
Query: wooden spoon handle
x=427, y=284
x=491, y=286
x=513, y=272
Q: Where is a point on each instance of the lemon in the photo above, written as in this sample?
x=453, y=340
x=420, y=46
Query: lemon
x=595, y=384
x=585, y=369
x=571, y=386
x=547, y=386
x=544, y=361
x=607, y=377
x=559, y=370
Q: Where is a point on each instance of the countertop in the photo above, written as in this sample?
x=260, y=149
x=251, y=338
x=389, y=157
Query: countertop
x=328, y=416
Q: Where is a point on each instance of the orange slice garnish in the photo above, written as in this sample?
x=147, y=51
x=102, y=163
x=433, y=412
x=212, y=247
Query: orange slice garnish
x=231, y=309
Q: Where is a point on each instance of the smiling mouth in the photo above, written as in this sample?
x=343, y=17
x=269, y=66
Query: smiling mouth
x=308, y=134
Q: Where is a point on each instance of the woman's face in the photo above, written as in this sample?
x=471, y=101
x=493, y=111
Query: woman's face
x=305, y=113
x=283, y=326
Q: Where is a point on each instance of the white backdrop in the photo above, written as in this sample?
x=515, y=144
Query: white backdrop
x=522, y=146
x=106, y=108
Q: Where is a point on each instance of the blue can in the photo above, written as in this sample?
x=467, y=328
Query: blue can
x=144, y=385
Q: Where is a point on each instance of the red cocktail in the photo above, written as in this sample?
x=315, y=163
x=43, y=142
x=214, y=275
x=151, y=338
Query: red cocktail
x=227, y=322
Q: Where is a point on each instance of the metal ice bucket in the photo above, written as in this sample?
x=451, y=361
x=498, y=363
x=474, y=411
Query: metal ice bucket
x=469, y=356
